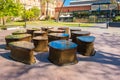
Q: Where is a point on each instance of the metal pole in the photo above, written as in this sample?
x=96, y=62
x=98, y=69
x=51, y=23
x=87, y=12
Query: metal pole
x=99, y=13
x=118, y=7
x=60, y=11
x=24, y=4
x=108, y=18
x=24, y=16
x=110, y=14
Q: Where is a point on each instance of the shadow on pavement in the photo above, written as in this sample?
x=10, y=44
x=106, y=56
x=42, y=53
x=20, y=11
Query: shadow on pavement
x=103, y=58
x=43, y=57
x=2, y=46
x=6, y=55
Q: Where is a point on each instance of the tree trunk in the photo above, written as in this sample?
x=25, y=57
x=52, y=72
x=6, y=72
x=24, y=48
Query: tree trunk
x=4, y=20
x=47, y=10
x=0, y=20
x=42, y=7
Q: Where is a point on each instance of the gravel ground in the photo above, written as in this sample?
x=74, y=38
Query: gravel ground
x=105, y=65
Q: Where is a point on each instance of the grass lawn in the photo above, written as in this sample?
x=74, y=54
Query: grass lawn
x=48, y=23
x=53, y=23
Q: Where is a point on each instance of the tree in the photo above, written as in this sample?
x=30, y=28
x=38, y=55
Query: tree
x=31, y=14
x=28, y=14
x=9, y=8
x=36, y=12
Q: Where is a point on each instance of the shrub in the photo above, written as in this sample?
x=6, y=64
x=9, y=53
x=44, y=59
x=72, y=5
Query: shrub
x=116, y=19
x=31, y=14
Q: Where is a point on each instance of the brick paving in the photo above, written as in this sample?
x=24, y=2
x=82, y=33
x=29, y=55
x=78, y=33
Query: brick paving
x=105, y=65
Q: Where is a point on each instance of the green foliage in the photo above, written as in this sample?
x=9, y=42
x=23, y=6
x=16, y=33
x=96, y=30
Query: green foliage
x=12, y=24
x=47, y=17
x=15, y=36
x=52, y=23
x=17, y=10
x=81, y=14
x=116, y=19
x=49, y=23
x=10, y=8
x=74, y=19
x=31, y=14
x=36, y=12
x=92, y=18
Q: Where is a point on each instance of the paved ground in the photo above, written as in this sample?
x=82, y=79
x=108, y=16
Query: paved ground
x=105, y=65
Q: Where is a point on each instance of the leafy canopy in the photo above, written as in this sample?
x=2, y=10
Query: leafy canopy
x=10, y=8
x=31, y=14
x=36, y=11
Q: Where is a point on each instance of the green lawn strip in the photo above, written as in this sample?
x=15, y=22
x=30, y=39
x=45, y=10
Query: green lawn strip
x=48, y=23
x=16, y=23
x=45, y=23
x=53, y=23
x=12, y=24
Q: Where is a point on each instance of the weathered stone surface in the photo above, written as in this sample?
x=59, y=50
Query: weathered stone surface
x=41, y=44
x=75, y=34
x=62, y=52
x=86, y=45
x=57, y=36
x=40, y=33
x=22, y=51
x=13, y=38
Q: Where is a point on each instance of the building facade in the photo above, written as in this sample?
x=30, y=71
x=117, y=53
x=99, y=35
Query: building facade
x=47, y=8
x=29, y=3
x=100, y=8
